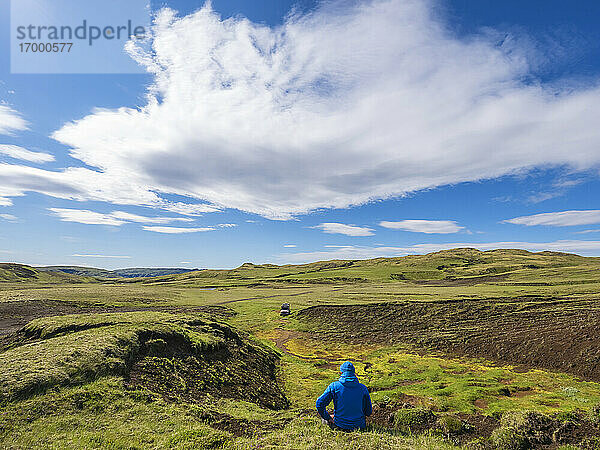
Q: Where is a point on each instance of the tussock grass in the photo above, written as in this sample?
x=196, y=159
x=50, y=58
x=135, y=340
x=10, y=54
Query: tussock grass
x=308, y=433
x=102, y=414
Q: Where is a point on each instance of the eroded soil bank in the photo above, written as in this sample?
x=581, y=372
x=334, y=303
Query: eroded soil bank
x=558, y=335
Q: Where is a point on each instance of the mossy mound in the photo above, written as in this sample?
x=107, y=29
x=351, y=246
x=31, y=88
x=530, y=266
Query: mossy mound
x=529, y=427
x=180, y=357
x=413, y=420
x=451, y=425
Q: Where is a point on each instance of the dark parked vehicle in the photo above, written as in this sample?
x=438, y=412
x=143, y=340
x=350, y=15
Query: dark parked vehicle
x=285, y=310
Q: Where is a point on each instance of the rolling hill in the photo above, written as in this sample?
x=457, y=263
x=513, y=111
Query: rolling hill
x=133, y=272
x=443, y=267
x=10, y=272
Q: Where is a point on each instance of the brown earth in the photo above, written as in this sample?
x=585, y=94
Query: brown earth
x=236, y=369
x=558, y=335
x=16, y=314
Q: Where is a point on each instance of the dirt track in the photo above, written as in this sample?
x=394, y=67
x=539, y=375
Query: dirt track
x=554, y=335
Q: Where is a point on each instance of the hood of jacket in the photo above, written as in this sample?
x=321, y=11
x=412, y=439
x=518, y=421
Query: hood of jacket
x=348, y=373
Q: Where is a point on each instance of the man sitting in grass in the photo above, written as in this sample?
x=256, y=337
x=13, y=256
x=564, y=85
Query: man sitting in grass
x=351, y=401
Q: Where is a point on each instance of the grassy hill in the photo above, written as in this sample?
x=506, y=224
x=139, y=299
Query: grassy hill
x=448, y=265
x=10, y=272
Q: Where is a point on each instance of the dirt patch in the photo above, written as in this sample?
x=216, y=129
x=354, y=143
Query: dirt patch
x=559, y=335
x=395, y=385
x=383, y=415
x=522, y=393
x=479, y=425
x=15, y=314
x=480, y=403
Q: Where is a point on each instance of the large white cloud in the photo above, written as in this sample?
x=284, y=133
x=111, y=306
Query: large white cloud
x=354, y=102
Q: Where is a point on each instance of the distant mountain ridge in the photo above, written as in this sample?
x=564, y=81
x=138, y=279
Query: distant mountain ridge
x=132, y=272
x=12, y=272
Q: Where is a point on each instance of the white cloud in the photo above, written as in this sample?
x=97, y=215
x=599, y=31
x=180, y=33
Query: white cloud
x=590, y=248
x=81, y=184
x=9, y=217
x=11, y=120
x=559, y=219
x=187, y=209
x=340, y=228
x=424, y=226
x=75, y=184
x=290, y=246
x=128, y=217
x=16, y=152
x=86, y=217
x=174, y=230
x=78, y=255
x=115, y=218
x=588, y=231
x=227, y=225
x=353, y=102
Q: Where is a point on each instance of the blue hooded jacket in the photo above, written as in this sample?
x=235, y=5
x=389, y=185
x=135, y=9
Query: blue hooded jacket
x=351, y=400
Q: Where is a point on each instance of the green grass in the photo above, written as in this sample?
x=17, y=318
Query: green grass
x=308, y=433
x=102, y=414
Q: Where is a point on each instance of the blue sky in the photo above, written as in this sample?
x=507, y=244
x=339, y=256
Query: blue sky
x=350, y=130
